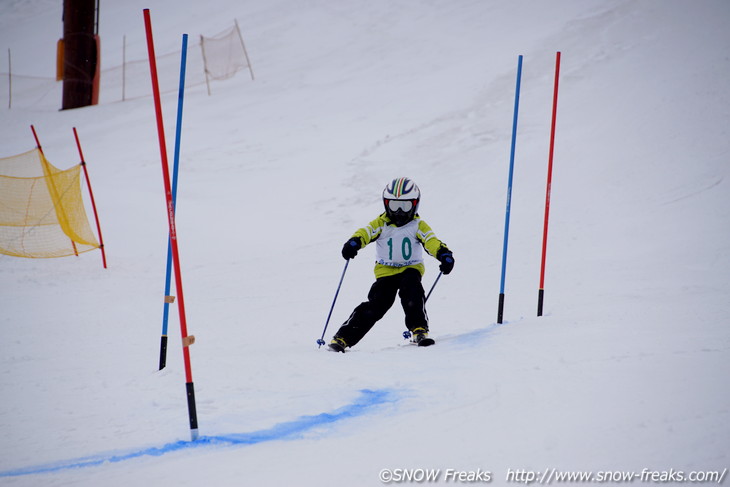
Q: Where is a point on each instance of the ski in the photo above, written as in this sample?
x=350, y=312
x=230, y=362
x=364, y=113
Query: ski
x=423, y=342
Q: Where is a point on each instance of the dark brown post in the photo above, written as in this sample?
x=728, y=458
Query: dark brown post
x=80, y=53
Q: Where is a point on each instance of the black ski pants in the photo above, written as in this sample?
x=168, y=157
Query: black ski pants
x=380, y=299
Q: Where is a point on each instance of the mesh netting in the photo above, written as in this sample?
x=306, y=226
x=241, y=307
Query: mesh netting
x=42, y=216
x=224, y=54
x=214, y=58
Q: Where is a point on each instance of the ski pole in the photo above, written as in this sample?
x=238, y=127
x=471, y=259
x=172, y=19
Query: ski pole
x=320, y=342
x=434, y=285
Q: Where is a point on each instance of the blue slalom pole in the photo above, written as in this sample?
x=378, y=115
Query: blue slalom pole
x=169, y=299
x=500, y=310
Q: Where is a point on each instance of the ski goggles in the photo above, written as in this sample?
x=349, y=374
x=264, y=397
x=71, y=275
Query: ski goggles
x=404, y=205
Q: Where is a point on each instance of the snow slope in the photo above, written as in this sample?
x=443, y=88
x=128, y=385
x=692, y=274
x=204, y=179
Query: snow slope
x=628, y=369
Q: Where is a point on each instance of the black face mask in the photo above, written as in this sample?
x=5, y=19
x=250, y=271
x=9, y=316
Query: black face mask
x=399, y=217
x=395, y=209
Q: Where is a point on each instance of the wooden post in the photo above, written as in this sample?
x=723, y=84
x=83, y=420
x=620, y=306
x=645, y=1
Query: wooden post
x=10, y=82
x=205, y=63
x=245, y=52
x=124, y=65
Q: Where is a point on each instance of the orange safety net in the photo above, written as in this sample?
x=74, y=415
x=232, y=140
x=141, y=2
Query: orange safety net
x=42, y=216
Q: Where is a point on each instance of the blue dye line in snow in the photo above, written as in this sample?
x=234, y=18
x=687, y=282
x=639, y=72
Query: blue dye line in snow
x=367, y=400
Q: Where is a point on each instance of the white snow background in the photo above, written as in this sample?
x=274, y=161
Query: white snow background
x=628, y=369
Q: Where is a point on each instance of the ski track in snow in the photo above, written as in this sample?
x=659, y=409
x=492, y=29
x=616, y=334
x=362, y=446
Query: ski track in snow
x=367, y=403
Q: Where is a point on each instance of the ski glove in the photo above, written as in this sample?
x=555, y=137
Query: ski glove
x=447, y=260
x=349, y=250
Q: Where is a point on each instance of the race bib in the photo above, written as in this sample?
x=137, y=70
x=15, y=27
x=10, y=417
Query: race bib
x=399, y=246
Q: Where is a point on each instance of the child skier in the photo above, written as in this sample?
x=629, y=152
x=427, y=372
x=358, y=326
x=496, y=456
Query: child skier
x=399, y=234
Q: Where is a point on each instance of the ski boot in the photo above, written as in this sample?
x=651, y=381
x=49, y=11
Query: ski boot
x=338, y=344
x=420, y=337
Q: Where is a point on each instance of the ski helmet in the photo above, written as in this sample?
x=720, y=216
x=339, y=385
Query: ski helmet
x=401, y=198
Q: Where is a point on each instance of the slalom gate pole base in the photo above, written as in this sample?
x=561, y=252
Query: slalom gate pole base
x=191, y=411
x=540, y=298
x=163, y=352
x=500, y=308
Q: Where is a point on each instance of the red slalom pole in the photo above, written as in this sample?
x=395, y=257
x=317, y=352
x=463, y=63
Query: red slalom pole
x=186, y=340
x=91, y=195
x=541, y=291
x=40, y=149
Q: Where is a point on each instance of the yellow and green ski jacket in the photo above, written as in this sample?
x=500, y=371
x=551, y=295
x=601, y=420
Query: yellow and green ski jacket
x=399, y=248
